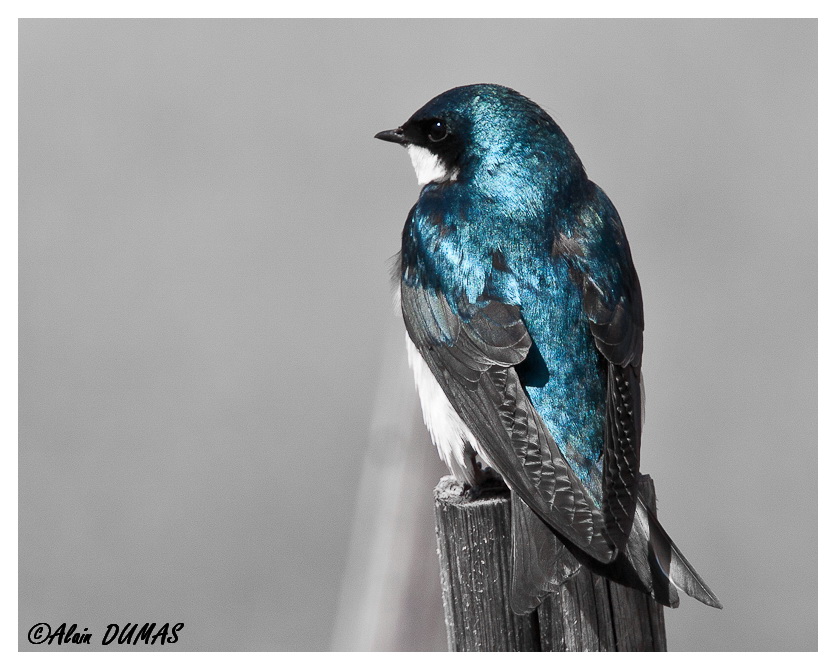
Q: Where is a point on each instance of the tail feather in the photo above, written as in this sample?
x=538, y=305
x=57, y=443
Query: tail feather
x=650, y=561
x=667, y=559
x=541, y=561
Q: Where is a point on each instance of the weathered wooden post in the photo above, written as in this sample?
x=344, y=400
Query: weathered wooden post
x=589, y=613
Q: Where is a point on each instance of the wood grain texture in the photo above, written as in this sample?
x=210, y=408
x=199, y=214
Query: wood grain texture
x=588, y=613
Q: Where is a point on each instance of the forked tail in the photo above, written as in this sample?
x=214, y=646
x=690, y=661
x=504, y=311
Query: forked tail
x=650, y=562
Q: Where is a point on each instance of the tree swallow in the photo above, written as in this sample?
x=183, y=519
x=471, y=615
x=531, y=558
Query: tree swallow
x=524, y=325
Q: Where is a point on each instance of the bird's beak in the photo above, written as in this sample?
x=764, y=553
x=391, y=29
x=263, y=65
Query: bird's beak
x=395, y=136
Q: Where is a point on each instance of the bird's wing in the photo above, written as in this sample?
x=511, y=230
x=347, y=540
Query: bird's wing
x=603, y=267
x=472, y=351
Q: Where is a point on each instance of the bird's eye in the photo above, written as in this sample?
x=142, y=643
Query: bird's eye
x=437, y=130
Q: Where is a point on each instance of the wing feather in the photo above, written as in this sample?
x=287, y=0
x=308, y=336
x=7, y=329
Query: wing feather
x=476, y=371
x=612, y=303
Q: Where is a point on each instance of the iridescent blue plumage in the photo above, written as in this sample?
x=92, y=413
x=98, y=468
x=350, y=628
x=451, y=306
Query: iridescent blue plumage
x=515, y=198
x=519, y=293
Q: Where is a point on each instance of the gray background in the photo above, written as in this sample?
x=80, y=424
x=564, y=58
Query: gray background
x=205, y=223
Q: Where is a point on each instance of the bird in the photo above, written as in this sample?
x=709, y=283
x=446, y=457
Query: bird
x=524, y=331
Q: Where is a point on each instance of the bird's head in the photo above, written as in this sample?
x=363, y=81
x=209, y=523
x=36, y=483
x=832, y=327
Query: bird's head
x=482, y=130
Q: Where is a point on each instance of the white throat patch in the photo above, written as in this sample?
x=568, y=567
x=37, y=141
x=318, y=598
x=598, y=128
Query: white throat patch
x=428, y=167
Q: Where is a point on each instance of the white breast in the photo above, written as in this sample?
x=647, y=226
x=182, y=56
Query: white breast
x=448, y=432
